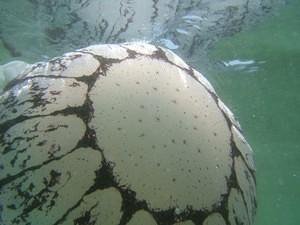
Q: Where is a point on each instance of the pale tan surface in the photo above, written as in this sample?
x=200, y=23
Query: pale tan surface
x=169, y=141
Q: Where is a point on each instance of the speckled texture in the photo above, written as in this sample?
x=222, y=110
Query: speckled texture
x=131, y=126
x=177, y=149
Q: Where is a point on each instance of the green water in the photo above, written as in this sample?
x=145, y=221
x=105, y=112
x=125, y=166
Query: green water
x=266, y=101
x=267, y=104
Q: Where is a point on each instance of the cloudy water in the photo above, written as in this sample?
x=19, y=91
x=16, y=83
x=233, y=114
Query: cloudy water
x=257, y=73
x=248, y=50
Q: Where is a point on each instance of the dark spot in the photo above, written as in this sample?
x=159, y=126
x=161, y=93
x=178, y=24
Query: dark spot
x=184, y=141
x=154, y=88
x=74, y=84
x=55, y=92
x=84, y=219
x=137, y=82
x=173, y=179
x=12, y=206
x=54, y=178
x=41, y=143
x=55, y=33
x=173, y=141
x=174, y=101
x=142, y=106
x=140, y=120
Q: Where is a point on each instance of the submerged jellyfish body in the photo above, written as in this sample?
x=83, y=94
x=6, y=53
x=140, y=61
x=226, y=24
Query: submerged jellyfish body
x=121, y=134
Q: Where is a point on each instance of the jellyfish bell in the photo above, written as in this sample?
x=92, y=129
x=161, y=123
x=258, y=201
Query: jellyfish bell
x=121, y=134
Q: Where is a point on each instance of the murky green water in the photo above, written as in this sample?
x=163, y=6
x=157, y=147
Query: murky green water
x=264, y=95
x=256, y=72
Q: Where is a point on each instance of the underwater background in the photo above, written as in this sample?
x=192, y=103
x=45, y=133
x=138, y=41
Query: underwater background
x=264, y=96
x=251, y=57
